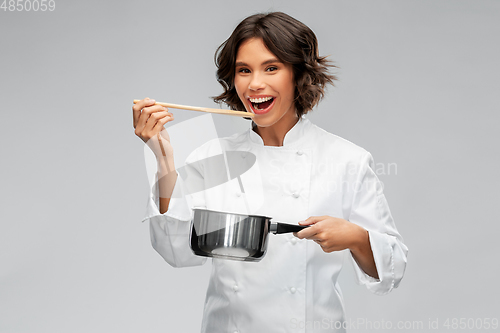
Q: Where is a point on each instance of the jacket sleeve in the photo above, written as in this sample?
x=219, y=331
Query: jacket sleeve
x=371, y=211
x=170, y=231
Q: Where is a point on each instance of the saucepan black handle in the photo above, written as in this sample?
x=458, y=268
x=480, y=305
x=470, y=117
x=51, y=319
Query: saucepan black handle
x=283, y=228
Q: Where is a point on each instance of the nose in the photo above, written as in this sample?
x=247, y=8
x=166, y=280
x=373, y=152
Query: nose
x=256, y=82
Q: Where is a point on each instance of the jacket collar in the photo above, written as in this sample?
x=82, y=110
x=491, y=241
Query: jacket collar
x=294, y=136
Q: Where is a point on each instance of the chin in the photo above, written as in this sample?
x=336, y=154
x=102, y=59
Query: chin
x=265, y=122
x=259, y=124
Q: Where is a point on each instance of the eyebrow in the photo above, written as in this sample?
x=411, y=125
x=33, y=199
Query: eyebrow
x=267, y=62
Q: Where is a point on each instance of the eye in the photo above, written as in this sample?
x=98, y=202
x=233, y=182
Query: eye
x=271, y=68
x=243, y=70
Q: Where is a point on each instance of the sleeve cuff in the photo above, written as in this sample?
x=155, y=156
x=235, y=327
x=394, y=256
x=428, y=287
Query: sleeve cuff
x=179, y=207
x=170, y=231
x=383, y=248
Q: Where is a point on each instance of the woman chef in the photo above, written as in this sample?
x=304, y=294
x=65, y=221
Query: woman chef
x=270, y=66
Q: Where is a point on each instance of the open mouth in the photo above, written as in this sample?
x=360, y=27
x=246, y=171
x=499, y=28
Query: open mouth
x=261, y=105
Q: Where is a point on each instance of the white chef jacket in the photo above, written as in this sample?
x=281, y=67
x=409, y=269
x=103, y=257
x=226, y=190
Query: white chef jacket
x=294, y=287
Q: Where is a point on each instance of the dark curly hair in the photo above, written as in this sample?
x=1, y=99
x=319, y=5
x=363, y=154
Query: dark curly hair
x=288, y=39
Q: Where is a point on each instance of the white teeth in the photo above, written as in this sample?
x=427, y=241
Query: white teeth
x=260, y=100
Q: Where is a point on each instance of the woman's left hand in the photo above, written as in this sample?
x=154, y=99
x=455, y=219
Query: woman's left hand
x=332, y=233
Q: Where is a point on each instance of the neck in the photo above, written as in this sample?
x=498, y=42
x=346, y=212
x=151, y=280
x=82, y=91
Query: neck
x=275, y=135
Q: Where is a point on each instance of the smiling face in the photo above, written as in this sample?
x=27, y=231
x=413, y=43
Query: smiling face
x=265, y=85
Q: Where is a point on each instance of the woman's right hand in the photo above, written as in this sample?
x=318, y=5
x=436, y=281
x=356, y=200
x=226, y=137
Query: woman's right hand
x=149, y=120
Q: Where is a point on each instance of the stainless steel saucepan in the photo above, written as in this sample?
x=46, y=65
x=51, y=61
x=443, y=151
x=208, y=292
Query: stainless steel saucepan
x=233, y=236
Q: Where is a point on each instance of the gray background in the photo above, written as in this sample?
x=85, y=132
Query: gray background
x=418, y=87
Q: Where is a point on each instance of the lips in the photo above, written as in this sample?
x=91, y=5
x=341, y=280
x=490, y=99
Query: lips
x=261, y=104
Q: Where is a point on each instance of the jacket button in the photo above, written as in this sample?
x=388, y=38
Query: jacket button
x=295, y=195
x=235, y=288
x=238, y=194
x=300, y=152
x=293, y=241
x=293, y=290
